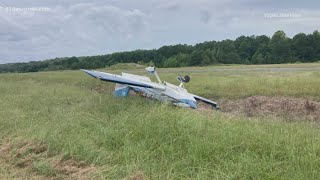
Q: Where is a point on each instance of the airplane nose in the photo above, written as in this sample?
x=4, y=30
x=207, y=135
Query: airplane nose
x=193, y=104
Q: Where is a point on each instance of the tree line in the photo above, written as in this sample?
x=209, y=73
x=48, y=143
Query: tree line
x=244, y=50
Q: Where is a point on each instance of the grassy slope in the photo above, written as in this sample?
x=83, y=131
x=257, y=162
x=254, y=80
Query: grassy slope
x=134, y=134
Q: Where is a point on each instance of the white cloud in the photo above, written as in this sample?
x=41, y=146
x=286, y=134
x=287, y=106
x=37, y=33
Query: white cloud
x=83, y=27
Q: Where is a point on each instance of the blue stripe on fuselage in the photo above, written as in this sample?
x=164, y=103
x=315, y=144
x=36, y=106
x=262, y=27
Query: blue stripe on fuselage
x=192, y=104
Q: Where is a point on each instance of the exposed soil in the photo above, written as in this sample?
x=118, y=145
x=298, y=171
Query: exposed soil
x=22, y=157
x=139, y=175
x=289, y=108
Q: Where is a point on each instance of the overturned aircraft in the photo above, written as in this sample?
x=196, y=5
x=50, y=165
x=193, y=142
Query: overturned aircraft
x=162, y=91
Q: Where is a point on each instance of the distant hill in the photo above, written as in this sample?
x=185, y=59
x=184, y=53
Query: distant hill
x=244, y=50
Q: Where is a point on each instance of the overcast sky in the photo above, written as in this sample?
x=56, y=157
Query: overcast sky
x=38, y=30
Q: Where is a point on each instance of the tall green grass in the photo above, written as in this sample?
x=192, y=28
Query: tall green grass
x=125, y=135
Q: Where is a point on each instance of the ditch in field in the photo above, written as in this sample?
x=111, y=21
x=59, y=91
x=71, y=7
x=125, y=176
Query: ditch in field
x=290, y=108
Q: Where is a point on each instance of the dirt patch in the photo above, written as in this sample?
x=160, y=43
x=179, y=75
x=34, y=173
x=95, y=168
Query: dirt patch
x=34, y=157
x=74, y=169
x=5, y=148
x=139, y=175
x=292, y=109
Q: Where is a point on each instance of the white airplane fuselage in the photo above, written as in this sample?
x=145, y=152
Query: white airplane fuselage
x=162, y=91
x=179, y=96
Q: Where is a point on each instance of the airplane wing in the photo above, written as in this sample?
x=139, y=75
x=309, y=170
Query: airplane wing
x=123, y=80
x=207, y=101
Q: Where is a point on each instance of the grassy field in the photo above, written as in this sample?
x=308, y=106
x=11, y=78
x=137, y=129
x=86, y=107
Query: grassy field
x=78, y=118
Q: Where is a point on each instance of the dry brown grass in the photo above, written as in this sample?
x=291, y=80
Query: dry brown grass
x=21, y=157
x=289, y=108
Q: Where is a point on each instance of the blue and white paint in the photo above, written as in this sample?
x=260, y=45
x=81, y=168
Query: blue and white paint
x=162, y=91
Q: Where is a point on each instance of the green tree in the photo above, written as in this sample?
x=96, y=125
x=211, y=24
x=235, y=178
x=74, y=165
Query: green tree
x=171, y=62
x=302, y=47
x=316, y=45
x=280, y=48
x=228, y=53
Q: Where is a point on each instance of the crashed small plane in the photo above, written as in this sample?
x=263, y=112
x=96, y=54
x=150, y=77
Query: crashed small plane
x=162, y=91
